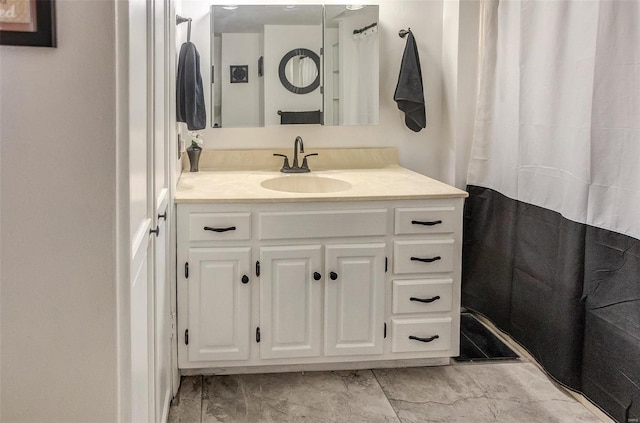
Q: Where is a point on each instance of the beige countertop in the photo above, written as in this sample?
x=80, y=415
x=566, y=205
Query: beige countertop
x=389, y=183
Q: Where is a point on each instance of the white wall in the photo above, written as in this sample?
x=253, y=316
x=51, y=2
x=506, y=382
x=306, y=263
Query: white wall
x=241, y=100
x=57, y=173
x=278, y=41
x=421, y=151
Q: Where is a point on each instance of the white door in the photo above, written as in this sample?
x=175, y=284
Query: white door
x=150, y=307
x=141, y=217
x=219, y=303
x=173, y=175
x=141, y=334
x=290, y=301
x=163, y=322
x=354, y=299
x=162, y=289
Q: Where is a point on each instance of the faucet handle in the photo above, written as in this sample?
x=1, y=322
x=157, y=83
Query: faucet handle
x=305, y=165
x=285, y=165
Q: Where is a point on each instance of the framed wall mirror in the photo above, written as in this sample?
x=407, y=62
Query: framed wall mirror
x=309, y=64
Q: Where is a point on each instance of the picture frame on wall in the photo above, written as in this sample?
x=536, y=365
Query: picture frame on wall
x=239, y=73
x=28, y=23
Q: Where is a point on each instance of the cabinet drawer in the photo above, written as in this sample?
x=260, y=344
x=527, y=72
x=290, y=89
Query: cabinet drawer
x=424, y=256
x=427, y=220
x=219, y=226
x=422, y=295
x=322, y=224
x=414, y=335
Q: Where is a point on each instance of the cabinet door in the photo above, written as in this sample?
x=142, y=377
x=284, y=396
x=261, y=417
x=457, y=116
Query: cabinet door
x=219, y=303
x=354, y=299
x=290, y=301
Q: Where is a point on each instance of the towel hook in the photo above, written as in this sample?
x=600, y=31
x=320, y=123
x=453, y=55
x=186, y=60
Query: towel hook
x=403, y=32
x=179, y=20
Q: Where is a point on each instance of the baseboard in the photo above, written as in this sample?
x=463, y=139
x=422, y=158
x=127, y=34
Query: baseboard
x=166, y=406
x=319, y=367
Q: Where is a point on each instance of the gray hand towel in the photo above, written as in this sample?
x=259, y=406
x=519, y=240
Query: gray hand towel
x=409, y=94
x=189, y=93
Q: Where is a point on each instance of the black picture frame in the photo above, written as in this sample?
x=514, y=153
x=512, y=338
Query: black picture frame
x=239, y=73
x=45, y=31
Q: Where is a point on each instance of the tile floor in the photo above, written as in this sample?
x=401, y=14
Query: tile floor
x=515, y=391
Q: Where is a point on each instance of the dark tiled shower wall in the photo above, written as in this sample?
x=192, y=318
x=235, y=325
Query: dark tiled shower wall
x=568, y=292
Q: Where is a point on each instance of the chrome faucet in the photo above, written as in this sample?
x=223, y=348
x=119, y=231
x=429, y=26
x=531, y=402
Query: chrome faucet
x=296, y=168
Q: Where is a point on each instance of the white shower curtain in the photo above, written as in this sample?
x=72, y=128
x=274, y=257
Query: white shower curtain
x=307, y=72
x=558, y=113
x=361, y=83
x=552, y=224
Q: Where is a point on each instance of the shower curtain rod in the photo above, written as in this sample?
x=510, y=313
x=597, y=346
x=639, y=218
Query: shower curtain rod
x=179, y=20
x=361, y=30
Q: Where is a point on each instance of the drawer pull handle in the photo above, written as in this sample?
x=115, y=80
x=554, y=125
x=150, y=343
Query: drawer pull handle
x=426, y=260
x=317, y=276
x=425, y=300
x=333, y=276
x=416, y=338
x=230, y=228
x=432, y=223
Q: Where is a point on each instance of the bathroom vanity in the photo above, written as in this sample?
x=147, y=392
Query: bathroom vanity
x=340, y=268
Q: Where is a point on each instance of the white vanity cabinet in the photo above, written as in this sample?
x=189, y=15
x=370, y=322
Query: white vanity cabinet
x=298, y=289
x=218, y=329
x=354, y=299
x=426, y=306
x=290, y=301
x=318, y=285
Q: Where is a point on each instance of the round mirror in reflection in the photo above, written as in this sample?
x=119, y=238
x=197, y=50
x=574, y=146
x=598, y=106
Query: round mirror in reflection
x=299, y=71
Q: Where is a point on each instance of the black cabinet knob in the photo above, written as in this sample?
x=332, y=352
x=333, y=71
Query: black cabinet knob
x=316, y=276
x=333, y=276
x=245, y=279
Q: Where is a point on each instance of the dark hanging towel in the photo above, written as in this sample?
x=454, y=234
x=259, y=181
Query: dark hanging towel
x=409, y=94
x=189, y=94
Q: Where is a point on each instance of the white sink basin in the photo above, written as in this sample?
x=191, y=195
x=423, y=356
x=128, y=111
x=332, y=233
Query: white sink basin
x=305, y=184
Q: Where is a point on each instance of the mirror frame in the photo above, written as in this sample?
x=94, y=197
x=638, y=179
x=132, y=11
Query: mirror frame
x=283, y=76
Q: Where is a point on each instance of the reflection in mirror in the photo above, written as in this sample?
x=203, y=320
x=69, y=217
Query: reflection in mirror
x=344, y=82
x=299, y=71
x=351, y=65
x=245, y=35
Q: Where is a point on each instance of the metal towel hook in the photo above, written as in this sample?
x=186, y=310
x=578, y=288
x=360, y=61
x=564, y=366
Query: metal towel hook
x=179, y=20
x=403, y=32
